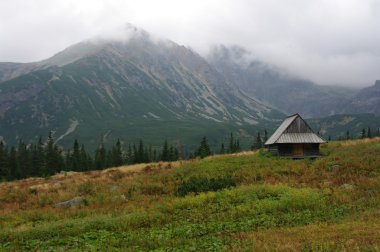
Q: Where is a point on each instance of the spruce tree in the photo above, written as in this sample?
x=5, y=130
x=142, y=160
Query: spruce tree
x=117, y=154
x=369, y=134
x=258, y=143
x=4, y=165
x=204, y=148
x=231, y=145
x=100, y=157
x=23, y=162
x=222, y=151
x=265, y=136
x=165, y=152
x=13, y=168
x=85, y=159
x=176, y=154
x=76, y=162
x=363, y=133
x=129, y=157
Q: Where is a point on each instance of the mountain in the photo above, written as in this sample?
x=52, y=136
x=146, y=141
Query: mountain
x=336, y=126
x=139, y=87
x=366, y=100
x=277, y=89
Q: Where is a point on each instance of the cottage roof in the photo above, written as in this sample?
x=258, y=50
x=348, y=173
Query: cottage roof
x=296, y=135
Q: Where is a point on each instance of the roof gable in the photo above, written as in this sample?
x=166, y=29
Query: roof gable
x=294, y=130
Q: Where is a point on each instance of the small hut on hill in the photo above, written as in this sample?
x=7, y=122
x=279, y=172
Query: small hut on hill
x=294, y=139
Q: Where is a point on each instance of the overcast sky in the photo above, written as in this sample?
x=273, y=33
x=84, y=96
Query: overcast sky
x=326, y=41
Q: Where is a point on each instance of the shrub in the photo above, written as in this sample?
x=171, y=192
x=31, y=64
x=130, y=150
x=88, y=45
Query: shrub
x=86, y=188
x=197, y=185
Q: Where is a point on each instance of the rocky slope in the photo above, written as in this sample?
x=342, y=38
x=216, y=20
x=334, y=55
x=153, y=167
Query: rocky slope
x=280, y=90
x=133, y=88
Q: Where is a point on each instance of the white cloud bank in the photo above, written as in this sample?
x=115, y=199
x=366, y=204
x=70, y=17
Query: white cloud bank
x=327, y=41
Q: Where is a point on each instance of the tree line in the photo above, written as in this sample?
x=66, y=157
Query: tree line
x=46, y=158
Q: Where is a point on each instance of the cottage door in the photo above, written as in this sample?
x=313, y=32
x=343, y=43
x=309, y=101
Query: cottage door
x=297, y=150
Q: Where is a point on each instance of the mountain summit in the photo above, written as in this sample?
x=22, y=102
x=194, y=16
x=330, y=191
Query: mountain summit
x=135, y=87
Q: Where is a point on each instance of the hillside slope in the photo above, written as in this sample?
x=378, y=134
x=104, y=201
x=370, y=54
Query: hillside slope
x=290, y=94
x=331, y=204
x=134, y=88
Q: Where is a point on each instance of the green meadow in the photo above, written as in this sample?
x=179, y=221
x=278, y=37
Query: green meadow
x=249, y=201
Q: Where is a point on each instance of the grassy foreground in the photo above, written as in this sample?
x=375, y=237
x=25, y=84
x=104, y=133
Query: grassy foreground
x=239, y=202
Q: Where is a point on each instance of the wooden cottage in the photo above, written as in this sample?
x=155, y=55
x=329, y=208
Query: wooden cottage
x=295, y=139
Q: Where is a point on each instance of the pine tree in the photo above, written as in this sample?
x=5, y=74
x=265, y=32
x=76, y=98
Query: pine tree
x=100, y=157
x=259, y=143
x=265, y=139
x=75, y=157
x=135, y=154
x=140, y=153
x=363, y=133
x=165, y=152
x=23, y=160
x=204, y=148
x=130, y=157
x=51, y=159
x=4, y=166
x=369, y=134
x=222, y=149
x=237, y=146
x=231, y=145
x=348, y=135
x=13, y=168
x=117, y=154
x=176, y=154
x=109, y=159
x=85, y=159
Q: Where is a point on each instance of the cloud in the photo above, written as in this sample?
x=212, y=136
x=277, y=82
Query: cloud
x=327, y=41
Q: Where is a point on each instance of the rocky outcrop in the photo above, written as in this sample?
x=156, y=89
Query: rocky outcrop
x=74, y=202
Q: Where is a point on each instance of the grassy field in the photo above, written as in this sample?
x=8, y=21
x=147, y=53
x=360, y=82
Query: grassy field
x=244, y=202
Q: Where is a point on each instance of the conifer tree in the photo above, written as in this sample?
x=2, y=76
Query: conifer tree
x=231, y=145
x=85, y=160
x=265, y=136
x=23, y=160
x=13, y=168
x=165, y=152
x=258, y=143
x=117, y=154
x=222, y=151
x=4, y=166
x=100, y=157
x=204, y=148
x=369, y=134
x=363, y=133
x=176, y=154
x=129, y=157
x=76, y=158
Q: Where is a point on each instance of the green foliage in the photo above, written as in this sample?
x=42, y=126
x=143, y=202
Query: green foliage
x=225, y=203
x=203, y=149
x=197, y=185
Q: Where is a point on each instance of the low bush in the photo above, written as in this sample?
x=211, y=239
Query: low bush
x=197, y=185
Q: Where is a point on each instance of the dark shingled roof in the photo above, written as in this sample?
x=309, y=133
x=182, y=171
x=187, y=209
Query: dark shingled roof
x=280, y=136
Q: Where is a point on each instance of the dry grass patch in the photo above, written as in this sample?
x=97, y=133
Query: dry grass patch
x=362, y=234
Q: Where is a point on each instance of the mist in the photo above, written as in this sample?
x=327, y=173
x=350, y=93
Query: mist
x=332, y=42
